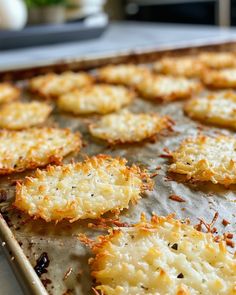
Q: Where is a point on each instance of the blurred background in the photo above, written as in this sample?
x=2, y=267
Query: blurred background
x=213, y=12
x=38, y=22
x=32, y=12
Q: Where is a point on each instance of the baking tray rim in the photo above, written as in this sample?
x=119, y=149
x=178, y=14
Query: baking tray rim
x=23, y=270
x=120, y=54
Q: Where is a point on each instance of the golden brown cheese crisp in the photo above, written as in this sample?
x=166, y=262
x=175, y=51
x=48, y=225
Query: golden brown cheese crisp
x=163, y=256
x=218, y=108
x=125, y=74
x=218, y=60
x=31, y=148
x=167, y=88
x=100, y=99
x=187, y=66
x=225, y=78
x=8, y=92
x=18, y=115
x=52, y=85
x=127, y=127
x=207, y=159
x=82, y=190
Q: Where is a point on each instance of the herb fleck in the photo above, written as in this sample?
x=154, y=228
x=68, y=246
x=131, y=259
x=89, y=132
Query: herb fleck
x=180, y=276
x=175, y=246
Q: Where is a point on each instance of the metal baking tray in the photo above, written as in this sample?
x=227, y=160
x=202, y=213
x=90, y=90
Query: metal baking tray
x=25, y=239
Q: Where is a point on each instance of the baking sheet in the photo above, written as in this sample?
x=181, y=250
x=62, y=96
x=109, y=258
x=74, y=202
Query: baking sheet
x=68, y=271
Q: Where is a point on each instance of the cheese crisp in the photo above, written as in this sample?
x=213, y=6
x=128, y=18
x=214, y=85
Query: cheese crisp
x=128, y=127
x=167, y=88
x=18, y=115
x=31, y=148
x=8, y=92
x=207, y=159
x=163, y=256
x=82, y=190
x=179, y=66
x=126, y=74
x=52, y=85
x=218, y=60
x=218, y=108
x=100, y=99
x=225, y=78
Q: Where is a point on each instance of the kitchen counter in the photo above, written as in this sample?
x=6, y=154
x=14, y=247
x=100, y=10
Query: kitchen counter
x=118, y=37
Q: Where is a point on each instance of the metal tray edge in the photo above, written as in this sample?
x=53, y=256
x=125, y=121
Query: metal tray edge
x=93, y=60
x=21, y=266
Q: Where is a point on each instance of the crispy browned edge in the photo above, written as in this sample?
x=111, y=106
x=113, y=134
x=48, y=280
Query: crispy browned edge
x=147, y=182
x=50, y=159
x=40, y=94
x=102, y=241
x=188, y=112
x=131, y=94
x=167, y=123
x=17, y=91
x=50, y=110
x=227, y=65
x=167, y=98
x=194, y=179
x=210, y=79
x=167, y=71
x=175, y=96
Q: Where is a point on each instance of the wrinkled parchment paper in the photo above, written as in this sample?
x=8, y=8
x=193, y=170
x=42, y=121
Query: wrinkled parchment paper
x=68, y=271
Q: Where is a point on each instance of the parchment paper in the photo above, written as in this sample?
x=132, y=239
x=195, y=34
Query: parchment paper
x=66, y=253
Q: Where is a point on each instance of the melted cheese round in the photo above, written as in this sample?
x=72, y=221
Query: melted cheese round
x=179, y=66
x=207, y=159
x=28, y=149
x=8, y=92
x=167, y=88
x=100, y=99
x=82, y=190
x=53, y=85
x=217, y=60
x=164, y=256
x=225, y=78
x=128, y=127
x=218, y=108
x=18, y=115
x=126, y=74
